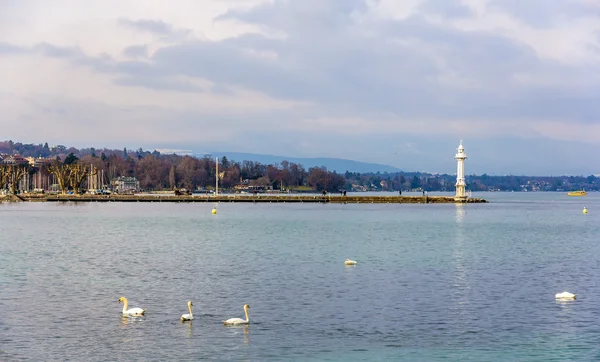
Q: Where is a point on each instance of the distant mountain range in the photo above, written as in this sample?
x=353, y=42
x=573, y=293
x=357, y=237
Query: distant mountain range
x=338, y=165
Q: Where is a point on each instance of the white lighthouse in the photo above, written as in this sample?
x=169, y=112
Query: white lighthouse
x=461, y=156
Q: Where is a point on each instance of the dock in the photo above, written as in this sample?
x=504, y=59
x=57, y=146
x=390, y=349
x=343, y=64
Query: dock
x=262, y=198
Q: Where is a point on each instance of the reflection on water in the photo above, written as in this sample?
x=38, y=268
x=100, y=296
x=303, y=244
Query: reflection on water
x=460, y=282
x=189, y=328
x=565, y=303
x=460, y=212
x=242, y=329
x=126, y=327
x=125, y=320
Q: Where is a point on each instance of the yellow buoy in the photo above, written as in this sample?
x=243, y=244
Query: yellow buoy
x=214, y=210
x=584, y=210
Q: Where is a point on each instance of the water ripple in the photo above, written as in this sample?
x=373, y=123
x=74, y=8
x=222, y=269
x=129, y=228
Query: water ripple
x=475, y=282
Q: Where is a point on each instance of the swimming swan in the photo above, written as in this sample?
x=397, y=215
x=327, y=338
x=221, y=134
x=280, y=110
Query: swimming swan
x=565, y=295
x=188, y=317
x=236, y=321
x=350, y=262
x=132, y=311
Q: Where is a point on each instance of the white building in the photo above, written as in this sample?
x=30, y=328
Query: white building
x=461, y=156
x=125, y=184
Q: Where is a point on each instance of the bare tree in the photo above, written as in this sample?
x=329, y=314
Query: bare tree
x=61, y=172
x=15, y=175
x=172, y=177
x=4, y=171
x=77, y=174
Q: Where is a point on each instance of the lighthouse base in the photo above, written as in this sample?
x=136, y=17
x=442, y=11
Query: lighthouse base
x=461, y=195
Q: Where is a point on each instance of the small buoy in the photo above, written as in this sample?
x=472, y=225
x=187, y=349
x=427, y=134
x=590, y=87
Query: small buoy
x=350, y=262
x=565, y=296
x=214, y=211
x=584, y=210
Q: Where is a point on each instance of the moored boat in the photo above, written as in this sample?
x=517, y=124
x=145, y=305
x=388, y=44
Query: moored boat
x=577, y=193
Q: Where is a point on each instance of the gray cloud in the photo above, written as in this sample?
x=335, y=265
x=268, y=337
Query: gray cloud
x=151, y=26
x=58, y=52
x=374, y=73
x=301, y=18
x=396, y=66
x=447, y=9
x=136, y=51
x=221, y=89
x=159, y=83
x=541, y=13
x=7, y=48
x=156, y=27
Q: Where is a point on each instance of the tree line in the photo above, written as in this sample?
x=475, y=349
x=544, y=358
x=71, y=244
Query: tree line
x=156, y=171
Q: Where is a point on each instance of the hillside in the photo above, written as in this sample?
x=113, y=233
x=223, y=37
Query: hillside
x=338, y=165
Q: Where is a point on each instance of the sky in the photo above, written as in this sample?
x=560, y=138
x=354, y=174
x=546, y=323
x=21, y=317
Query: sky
x=384, y=81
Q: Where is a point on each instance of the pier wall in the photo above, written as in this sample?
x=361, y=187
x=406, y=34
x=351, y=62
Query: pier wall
x=252, y=198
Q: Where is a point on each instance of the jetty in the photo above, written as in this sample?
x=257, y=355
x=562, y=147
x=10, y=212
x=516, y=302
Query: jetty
x=126, y=190
x=262, y=198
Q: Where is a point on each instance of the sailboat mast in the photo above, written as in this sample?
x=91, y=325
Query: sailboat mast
x=217, y=177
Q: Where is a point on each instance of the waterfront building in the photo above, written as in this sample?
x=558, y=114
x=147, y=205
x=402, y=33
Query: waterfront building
x=15, y=159
x=126, y=184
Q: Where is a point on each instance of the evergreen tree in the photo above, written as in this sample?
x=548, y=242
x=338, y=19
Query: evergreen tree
x=70, y=159
x=224, y=162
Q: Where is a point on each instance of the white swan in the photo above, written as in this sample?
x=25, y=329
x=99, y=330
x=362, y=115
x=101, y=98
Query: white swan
x=565, y=296
x=132, y=311
x=188, y=317
x=236, y=321
x=350, y=262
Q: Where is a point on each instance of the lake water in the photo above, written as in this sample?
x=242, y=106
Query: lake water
x=433, y=282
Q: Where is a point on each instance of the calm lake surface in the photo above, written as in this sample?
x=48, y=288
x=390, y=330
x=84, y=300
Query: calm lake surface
x=433, y=282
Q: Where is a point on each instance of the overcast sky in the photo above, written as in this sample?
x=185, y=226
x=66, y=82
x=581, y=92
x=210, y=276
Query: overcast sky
x=386, y=81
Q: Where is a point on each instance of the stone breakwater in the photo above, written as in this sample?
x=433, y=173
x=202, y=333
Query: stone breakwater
x=252, y=198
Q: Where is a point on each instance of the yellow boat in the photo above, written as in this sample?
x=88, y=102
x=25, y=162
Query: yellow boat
x=577, y=193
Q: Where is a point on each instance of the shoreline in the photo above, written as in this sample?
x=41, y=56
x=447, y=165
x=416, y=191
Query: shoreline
x=245, y=198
